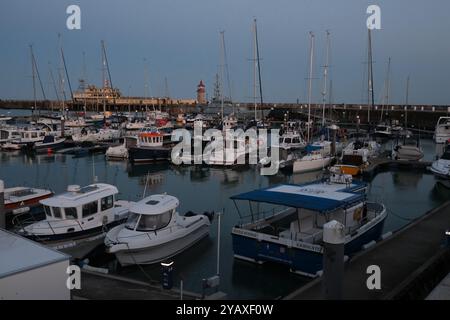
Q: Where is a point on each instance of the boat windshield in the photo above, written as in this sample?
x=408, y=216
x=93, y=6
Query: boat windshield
x=149, y=222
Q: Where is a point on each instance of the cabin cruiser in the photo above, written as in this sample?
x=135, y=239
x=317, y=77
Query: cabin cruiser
x=120, y=152
x=96, y=135
x=355, y=157
x=441, y=167
x=291, y=140
x=155, y=231
x=19, y=200
x=150, y=147
x=77, y=220
x=8, y=134
x=409, y=149
x=49, y=144
x=293, y=235
x=313, y=161
x=442, y=130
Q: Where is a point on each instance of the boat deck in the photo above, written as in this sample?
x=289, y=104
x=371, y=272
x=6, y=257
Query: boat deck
x=404, y=260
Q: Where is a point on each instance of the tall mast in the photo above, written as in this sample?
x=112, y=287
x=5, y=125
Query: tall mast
x=166, y=87
x=146, y=82
x=325, y=78
x=406, y=102
x=222, y=61
x=105, y=63
x=311, y=56
x=104, y=81
x=255, y=65
x=387, y=84
x=370, y=93
x=34, y=79
x=54, y=84
x=259, y=70
x=61, y=79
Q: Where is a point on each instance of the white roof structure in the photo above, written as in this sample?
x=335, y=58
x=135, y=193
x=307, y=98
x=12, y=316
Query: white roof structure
x=81, y=196
x=19, y=254
x=155, y=204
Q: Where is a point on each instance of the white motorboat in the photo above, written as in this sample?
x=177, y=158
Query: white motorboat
x=441, y=167
x=155, y=231
x=409, y=149
x=311, y=162
x=96, y=135
x=291, y=140
x=77, y=220
x=442, y=130
x=49, y=144
x=383, y=131
x=10, y=146
x=120, y=152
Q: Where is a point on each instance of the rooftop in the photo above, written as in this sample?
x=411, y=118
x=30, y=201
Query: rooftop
x=155, y=204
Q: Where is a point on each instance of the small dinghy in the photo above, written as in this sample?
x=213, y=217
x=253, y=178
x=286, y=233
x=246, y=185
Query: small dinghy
x=155, y=231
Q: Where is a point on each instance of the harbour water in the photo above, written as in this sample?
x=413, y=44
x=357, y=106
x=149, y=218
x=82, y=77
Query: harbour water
x=406, y=194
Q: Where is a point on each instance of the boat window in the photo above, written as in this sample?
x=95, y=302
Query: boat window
x=131, y=221
x=57, y=212
x=296, y=140
x=281, y=139
x=47, y=211
x=34, y=134
x=154, y=222
x=287, y=140
x=90, y=208
x=107, y=202
x=71, y=213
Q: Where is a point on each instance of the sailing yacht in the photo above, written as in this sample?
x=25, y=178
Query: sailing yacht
x=442, y=130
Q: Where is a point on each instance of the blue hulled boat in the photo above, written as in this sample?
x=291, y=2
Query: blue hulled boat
x=291, y=234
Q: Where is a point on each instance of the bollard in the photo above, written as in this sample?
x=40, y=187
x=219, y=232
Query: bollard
x=333, y=260
x=2, y=206
x=167, y=275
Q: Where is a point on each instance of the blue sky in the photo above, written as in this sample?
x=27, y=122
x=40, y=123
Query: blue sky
x=180, y=40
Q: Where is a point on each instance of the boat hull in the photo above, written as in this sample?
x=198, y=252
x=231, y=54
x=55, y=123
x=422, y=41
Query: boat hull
x=155, y=254
x=148, y=154
x=301, y=166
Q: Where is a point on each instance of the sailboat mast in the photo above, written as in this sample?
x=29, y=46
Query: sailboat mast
x=370, y=93
x=109, y=72
x=255, y=61
x=406, y=102
x=311, y=57
x=34, y=79
x=325, y=78
x=222, y=58
x=259, y=70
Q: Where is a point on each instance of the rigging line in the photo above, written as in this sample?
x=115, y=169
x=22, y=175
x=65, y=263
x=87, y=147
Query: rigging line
x=37, y=72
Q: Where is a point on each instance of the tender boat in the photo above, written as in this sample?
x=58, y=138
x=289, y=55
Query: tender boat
x=409, y=149
x=50, y=143
x=311, y=162
x=120, y=152
x=150, y=147
x=155, y=231
x=77, y=220
x=293, y=235
x=442, y=130
x=441, y=167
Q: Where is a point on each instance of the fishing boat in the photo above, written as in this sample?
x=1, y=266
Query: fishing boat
x=150, y=147
x=408, y=149
x=120, y=152
x=442, y=130
x=311, y=162
x=155, y=231
x=50, y=143
x=76, y=221
x=441, y=167
x=293, y=235
x=8, y=134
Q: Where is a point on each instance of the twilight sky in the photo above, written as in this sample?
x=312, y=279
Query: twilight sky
x=180, y=41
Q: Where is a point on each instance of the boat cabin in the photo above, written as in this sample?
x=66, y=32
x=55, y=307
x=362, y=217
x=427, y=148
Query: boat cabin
x=150, y=137
x=152, y=213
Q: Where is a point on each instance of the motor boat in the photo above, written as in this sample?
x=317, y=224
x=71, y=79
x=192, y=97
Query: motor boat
x=150, y=147
x=120, y=152
x=441, y=167
x=311, y=162
x=76, y=221
x=293, y=235
x=291, y=140
x=11, y=146
x=49, y=144
x=442, y=130
x=155, y=231
x=355, y=157
x=408, y=149
x=383, y=131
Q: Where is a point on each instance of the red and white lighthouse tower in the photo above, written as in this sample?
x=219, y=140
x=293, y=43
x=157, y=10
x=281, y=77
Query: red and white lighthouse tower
x=201, y=93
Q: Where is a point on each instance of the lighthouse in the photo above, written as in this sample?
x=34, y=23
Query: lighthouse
x=201, y=93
